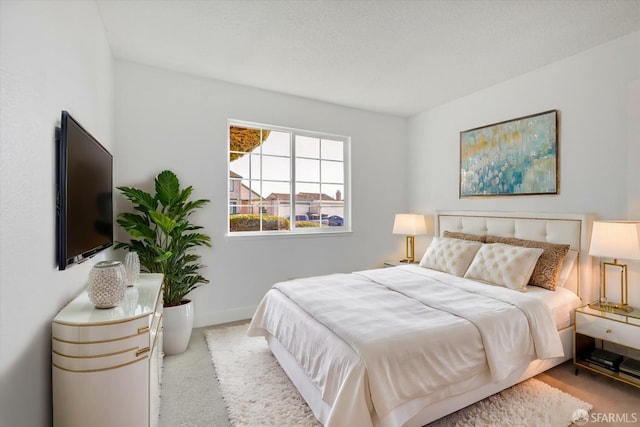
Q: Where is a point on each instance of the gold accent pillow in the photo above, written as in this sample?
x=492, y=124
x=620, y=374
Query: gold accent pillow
x=464, y=236
x=547, y=269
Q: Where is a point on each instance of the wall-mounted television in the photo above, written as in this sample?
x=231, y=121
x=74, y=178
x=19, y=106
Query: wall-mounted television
x=84, y=194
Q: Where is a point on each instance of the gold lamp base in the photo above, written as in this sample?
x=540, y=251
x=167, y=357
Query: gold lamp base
x=606, y=305
x=410, y=249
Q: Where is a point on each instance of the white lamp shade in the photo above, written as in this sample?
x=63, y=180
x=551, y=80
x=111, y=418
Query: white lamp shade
x=409, y=224
x=615, y=239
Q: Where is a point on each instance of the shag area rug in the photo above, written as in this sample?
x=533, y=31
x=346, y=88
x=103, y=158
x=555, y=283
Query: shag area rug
x=257, y=392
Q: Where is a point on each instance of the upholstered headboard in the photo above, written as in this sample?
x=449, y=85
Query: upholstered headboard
x=571, y=229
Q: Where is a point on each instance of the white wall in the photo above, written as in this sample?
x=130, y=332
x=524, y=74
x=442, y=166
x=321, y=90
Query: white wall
x=53, y=56
x=176, y=121
x=597, y=94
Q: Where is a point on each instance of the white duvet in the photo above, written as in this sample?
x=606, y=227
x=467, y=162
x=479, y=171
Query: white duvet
x=414, y=332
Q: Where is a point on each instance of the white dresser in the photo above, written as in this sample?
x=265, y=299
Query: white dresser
x=107, y=363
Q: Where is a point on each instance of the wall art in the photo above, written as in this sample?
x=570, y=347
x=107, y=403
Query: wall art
x=514, y=157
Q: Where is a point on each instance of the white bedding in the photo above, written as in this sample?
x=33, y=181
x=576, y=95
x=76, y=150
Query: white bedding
x=406, y=337
x=561, y=302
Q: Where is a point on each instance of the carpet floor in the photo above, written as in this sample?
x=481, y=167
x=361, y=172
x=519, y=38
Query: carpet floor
x=257, y=392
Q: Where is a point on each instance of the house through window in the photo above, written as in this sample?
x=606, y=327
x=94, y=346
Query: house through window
x=285, y=180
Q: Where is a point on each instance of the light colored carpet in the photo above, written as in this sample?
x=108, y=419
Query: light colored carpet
x=256, y=391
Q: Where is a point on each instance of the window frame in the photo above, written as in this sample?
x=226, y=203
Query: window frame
x=293, y=132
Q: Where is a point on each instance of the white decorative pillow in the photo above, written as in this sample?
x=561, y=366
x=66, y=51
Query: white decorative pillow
x=567, y=266
x=504, y=265
x=545, y=274
x=450, y=255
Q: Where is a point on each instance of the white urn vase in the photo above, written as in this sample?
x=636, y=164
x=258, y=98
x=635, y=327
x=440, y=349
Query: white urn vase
x=177, y=323
x=107, y=283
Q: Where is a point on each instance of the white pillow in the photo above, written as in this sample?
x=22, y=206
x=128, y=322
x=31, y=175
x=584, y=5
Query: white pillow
x=567, y=266
x=450, y=255
x=504, y=265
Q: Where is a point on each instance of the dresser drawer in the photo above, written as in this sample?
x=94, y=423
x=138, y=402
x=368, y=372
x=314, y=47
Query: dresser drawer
x=608, y=330
x=103, y=363
x=100, y=332
x=100, y=348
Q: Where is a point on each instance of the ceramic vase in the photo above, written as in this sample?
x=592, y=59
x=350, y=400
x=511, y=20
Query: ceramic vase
x=132, y=267
x=107, y=284
x=177, y=323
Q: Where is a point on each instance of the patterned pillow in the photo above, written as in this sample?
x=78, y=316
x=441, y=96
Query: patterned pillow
x=452, y=256
x=504, y=265
x=547, y=270
x=464, y=236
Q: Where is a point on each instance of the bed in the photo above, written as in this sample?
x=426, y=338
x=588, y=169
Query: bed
x=407, y=345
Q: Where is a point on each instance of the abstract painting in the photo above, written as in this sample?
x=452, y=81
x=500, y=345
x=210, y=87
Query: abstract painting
x=514, y=157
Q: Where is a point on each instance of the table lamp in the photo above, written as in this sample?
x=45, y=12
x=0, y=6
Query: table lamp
x=615, y=239
x=410, y=225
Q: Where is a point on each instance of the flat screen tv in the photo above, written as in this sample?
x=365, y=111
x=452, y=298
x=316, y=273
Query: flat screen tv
x=84, y=194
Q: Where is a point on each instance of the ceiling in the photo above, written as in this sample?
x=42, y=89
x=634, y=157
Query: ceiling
x=394, y=57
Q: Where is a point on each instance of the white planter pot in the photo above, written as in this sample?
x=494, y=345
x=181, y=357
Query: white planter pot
x=177, y=323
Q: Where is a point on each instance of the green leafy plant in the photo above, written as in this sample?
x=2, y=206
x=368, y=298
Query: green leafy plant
x=163, y=236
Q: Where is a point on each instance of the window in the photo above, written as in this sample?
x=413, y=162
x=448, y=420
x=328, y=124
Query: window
x=286, y=180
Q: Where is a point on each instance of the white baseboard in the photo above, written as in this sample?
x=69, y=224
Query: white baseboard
x=217, y=317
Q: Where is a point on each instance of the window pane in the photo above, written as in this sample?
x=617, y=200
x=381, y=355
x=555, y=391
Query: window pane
x=254, y=160
x=307, y=170
x=305, y=187
x=332, y=150
x=240, y=166
x=277, y=198
x=250, y=191
x=243, y=209
x=336, y=191
x=277, y=144
x=332, y=171
x=276, y=168
x=234, y=188
x=334, y=216
x=307, y=147
x=276, y=189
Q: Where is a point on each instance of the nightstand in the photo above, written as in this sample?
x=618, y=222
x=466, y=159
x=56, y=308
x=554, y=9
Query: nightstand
x=615, y=338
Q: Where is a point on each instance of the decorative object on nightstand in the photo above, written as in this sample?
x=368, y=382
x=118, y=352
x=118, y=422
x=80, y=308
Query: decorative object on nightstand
x=107, y=283
x=410, y=225
x=608, y=342
x=615, y=239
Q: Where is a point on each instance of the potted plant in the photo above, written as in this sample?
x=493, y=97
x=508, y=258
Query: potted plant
x=164, y=239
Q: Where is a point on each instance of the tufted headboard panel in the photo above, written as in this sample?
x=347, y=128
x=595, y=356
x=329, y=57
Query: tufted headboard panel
x=571, y=229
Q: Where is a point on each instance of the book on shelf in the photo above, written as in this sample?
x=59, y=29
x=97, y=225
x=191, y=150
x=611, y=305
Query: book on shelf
x=605, y=358
x=601, y=367
x=631, y=367
x=630, y=377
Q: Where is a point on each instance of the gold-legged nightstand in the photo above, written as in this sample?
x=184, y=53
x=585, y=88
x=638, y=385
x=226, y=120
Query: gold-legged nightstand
x=594, y=329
